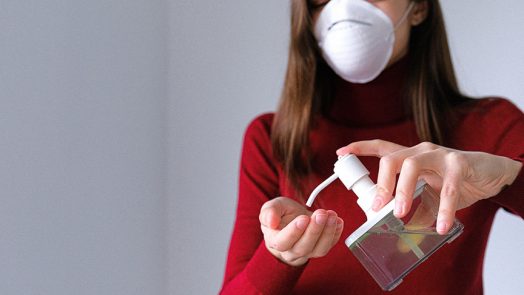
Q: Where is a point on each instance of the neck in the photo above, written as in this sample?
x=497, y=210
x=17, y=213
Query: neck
x=376, y=103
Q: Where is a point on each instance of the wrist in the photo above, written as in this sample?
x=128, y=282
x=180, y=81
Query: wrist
x=513, y=168
x=296, y=262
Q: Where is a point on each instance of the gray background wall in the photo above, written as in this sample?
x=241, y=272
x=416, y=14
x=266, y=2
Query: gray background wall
x=121, y=125
x=229, y=62
x=83, y=94
x=488, y=51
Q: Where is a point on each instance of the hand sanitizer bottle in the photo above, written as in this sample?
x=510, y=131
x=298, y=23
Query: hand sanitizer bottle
x=389, y=247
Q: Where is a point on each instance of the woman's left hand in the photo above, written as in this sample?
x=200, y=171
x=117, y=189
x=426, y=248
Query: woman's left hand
x=462, y=178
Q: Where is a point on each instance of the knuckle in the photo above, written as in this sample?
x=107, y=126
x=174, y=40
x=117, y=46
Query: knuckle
x=456, y=158
x=410, y=163
x=427, y=146
x=450, y=191
x=386, y=161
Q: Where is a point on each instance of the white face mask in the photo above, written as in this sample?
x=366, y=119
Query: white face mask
x=356, y=38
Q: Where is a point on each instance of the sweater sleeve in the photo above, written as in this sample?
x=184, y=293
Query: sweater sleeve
x=511, y=145
x=251, y=268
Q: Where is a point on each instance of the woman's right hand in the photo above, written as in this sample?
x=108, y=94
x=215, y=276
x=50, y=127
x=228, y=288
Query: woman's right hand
x=293, y=234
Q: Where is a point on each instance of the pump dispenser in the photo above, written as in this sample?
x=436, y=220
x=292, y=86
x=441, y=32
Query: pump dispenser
x=389, y=247
x=355, y=177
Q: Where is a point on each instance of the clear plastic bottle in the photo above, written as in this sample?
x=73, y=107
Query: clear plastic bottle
x=389, y=247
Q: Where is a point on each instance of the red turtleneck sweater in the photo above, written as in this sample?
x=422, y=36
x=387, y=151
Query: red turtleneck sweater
x=361, y=112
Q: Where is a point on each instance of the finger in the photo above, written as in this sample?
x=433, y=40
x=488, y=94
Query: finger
x=326, y=238
x=271, y=213
x=376, y=147
x=285, y=239
x=388, y=170
x=407, y=182
x=450, y=194
x=305, y=245
x=412, y=168
x=387, y=176
x=338, y=233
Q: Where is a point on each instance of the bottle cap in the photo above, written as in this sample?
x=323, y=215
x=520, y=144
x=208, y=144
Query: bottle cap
x=354, y=176
x=350, y=170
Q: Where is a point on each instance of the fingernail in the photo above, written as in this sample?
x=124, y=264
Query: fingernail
x=442, y=226
x=377, y=203
x=332, y=220
x=321, y=219
x=301, y=223
x=399, y=207
x=340, y=222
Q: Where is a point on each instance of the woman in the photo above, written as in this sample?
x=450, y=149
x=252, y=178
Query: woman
x=377, y=75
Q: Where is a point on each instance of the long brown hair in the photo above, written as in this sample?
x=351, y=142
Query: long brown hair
x=430, y=92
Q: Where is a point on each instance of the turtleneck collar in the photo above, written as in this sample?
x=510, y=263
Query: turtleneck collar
x=376, y=103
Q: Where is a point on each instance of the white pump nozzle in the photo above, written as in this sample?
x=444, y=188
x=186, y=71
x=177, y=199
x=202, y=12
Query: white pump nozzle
x=320, y=187
x=354, y=176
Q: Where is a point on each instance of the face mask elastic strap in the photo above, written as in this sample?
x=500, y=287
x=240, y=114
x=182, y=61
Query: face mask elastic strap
x=403, y=18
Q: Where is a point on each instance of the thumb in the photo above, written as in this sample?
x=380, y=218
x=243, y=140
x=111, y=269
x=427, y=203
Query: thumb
x=271, y=214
